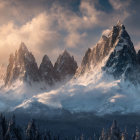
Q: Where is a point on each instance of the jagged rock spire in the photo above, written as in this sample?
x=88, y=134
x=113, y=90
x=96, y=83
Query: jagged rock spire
x=117, y=47
x=119, y=22
x=65, y=66
x=22, y=66
x=23, y=47
x=46, y=70
x=65, y=53
x=123, y=57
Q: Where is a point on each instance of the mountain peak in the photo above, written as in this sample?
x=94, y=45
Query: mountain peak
x=119, y=23
x=45, y=59
x=23, y=47
x=22, y=66
x=123, y=56
x=65, y=65
x=116, y=44
x=46, y=70
x=118, y=27
x=65, y=53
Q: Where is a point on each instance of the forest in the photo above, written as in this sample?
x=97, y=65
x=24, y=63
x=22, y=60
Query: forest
x=9, y=130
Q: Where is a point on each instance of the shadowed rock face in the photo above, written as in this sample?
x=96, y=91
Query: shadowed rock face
x=46, y=70
x=65, y=66
x=95, y=55
x=119, y=47
x=123, y=57
x=102, y=49
x=22, y=66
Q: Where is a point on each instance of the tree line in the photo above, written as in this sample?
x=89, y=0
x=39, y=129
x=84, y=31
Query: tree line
x=10, y=131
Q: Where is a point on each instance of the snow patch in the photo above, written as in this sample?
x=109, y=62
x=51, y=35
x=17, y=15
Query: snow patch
x=106, y=32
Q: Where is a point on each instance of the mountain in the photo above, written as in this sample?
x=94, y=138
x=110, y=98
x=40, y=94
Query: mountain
x=116, y=46
x=95, y=55
x=46, y=71
x=22, y=66
x=99, y=84
x=65, y=66
x=123, y=58
x=105, y=82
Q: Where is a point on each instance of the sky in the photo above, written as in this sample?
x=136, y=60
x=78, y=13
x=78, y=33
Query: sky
x=50, y=26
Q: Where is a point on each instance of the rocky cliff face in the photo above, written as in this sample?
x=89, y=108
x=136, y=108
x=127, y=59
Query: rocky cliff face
x=95, y=55
x=46, y=71
x=2, y=72
x=22, y=66
x=118, y=47
x=123, y=57
x=65, y=66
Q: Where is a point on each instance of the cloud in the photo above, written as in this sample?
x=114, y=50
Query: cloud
x=49, y=32
x=119, y=4
x=74, y=39
x=34, y=33
x=48, y=27
x=96, y=17
x=90, y=14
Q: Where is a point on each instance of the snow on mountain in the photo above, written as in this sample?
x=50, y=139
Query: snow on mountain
x=22, y=66
x=23, y=79
x=95, y=87
x=93, y=92
x=11, y=96
x=123, y=58
x=102, y=84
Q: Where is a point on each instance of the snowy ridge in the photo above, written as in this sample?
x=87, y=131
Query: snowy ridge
x=106, y=82
x=95, y=91
x=102, y=97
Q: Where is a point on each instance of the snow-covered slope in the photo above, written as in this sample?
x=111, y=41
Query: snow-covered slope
x=104, y=83
x=93, y=92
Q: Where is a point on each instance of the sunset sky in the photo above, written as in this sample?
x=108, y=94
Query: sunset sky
x=50, y=26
